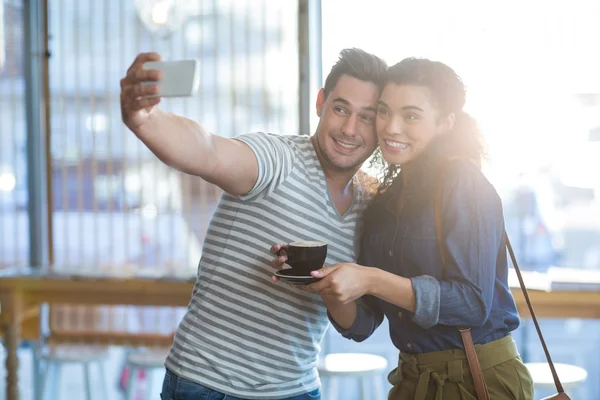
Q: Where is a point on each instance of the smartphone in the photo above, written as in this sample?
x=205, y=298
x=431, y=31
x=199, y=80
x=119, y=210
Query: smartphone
x=180, y=78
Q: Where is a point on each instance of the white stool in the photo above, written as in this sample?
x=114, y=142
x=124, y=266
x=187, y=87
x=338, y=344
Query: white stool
x=55, y=356
x=571, y=376
x=147, y=361
x=365, y=367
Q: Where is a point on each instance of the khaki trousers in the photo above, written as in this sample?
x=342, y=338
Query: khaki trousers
x=445, y=375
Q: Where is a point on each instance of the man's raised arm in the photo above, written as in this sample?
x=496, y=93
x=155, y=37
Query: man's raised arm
x=180, y=142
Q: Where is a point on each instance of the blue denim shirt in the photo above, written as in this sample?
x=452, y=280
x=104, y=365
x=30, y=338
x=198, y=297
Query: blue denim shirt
x=470, y=291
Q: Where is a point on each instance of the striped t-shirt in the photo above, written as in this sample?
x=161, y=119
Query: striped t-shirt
x=242, y=334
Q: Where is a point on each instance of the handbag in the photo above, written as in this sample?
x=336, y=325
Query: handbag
x=465, y=333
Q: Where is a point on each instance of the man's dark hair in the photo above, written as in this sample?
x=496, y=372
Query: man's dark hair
x=358, y=64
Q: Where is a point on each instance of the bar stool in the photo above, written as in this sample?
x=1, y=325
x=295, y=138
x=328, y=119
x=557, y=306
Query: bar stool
x=571, y=376
x=368, y=368
x=147, y=360
x=54, y=357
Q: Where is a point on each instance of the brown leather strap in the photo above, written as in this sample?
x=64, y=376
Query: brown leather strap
x=439, y=224
x=557, y=383
x=474, y=367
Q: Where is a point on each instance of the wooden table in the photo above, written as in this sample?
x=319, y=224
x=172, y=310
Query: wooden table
x=559, y=293
x=560, y=304
x=24, y=289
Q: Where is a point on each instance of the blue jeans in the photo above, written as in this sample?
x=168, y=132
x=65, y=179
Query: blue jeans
x=176, y=388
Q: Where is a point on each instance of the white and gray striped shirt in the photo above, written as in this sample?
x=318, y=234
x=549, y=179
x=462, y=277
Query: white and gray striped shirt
x=243, y=335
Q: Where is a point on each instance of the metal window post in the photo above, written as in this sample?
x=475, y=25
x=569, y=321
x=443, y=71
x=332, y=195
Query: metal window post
x=310, y=63
x=35, y=106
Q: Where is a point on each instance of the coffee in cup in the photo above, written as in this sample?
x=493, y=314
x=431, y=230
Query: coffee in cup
x=304, y=256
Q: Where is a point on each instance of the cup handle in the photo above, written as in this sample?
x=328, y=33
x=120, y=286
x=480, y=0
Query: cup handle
x=282, y=251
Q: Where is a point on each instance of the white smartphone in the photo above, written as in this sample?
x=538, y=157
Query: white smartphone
x=180, y=78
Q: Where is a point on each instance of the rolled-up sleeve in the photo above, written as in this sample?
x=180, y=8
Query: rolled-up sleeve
x=427, y=300
x=368, y=318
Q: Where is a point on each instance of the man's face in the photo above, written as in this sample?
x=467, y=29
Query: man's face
x=346, y=134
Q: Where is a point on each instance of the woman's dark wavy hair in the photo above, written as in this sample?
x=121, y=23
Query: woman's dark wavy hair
x=448, y=95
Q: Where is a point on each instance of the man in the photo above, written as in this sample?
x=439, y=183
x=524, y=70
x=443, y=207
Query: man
x=243, y=337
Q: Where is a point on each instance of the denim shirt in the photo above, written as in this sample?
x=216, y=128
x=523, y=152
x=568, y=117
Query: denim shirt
x=471, y=290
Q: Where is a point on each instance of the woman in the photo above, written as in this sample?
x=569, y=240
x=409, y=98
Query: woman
x=432, y=148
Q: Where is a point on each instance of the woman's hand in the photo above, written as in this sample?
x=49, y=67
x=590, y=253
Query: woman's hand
x=345, y=282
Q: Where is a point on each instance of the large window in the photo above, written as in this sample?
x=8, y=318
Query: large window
x=14, y=243
x=532, y=73
x=113, y=202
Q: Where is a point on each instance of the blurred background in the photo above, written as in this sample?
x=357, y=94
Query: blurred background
x=532, y=73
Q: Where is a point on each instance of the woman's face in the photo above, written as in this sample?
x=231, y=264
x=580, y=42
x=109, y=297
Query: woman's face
x=407, y=121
